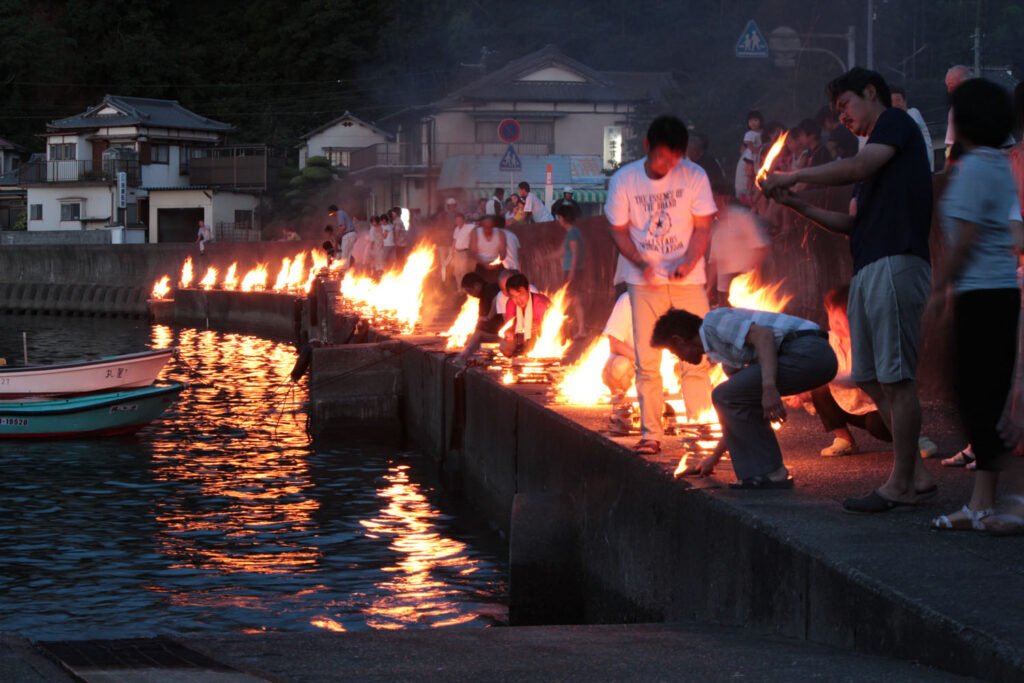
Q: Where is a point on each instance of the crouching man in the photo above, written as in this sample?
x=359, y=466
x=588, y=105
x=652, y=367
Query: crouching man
x=527, y=309
x=766, y=356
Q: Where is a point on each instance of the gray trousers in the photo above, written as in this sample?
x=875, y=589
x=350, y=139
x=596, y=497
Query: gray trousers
x=805, y=363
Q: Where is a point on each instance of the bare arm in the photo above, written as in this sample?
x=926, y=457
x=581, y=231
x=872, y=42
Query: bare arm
x=967, y=234
x=833, y=221
x=697, y=247
x=863, y=165
x=763, y=341
x=620, y=348
x=620, y=235
x=574, y=251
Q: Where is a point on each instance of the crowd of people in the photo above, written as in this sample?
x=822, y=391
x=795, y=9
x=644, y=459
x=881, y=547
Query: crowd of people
x=683, y=234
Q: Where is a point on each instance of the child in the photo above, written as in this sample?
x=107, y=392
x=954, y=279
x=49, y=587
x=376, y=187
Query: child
x=750, y=153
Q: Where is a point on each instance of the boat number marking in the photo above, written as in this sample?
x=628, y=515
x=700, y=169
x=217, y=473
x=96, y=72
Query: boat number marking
x=116, y=372
x=13, y=422
x=127, y=408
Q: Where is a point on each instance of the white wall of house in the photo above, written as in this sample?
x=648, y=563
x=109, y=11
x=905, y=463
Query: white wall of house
x=356, y=136
x=93, y=202
x=160, y=174
x=178, y=199
x=226, y=203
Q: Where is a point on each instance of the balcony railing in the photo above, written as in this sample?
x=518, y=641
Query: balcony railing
x=249, y=167
x=404, y=154
x=237, y=232
x=78, y=171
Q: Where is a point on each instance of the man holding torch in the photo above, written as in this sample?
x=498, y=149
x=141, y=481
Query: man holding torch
x=888, y=227
x=660, y=209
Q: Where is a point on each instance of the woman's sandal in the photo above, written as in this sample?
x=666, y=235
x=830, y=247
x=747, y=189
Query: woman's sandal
x=961, y=459
x=968, y=520
x=647, y=447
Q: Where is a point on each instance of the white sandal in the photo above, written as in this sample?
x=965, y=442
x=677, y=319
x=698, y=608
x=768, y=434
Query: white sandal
x=972, y=520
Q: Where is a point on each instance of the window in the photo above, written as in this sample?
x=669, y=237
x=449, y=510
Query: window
x=35, y=212
x=160, y=154
x=71, y=212
x=243, y=219
x=339, y=158
x=64, y=151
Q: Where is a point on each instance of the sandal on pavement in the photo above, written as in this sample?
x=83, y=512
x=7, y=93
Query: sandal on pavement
x=762, y=483
x=961, y=459
x=874, y=503
x=964, y=519
x=647, y=447
x=840, y=446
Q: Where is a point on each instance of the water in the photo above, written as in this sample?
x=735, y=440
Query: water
x=221, y=516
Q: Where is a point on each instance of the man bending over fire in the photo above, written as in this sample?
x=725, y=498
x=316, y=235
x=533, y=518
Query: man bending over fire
x=766, y=356
x=527, y=309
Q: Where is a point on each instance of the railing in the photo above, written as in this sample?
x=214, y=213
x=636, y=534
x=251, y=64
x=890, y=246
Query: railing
x=399, y=154
x=237, y=232
x=250, y=167
x=78, y=171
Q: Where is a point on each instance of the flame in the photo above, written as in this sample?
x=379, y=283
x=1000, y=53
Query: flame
x=769, y=159
x=281, y=283
x=319, y=263
x=581, y=384
x=506, y=327
x=297, y=271
x=162, y=287
x=669, y=377
x=464, y=325
x=508, y=377
x=210, y=279
x=255, y=279
x=550, y=341
x=746, y=291
x=231, y=278
x=398, y=294
x=186, y=274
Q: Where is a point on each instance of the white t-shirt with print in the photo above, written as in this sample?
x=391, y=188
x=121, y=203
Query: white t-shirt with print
x=620, y=322
x=660, y=214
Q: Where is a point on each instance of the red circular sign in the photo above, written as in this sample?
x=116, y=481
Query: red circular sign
x=508, y=130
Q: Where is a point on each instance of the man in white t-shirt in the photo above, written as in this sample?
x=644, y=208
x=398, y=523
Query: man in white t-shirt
x=462, y=261
x=899, y=100
x=660, y=208
x=534, y=210
x=954, y=77
x=511, y=260
x=496, y=204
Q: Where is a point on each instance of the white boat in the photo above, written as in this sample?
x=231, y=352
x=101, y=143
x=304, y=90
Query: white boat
x=110, y=373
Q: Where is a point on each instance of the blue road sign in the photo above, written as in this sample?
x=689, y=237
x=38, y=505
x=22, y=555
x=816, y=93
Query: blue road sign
x=510, y=162
x=752, y=44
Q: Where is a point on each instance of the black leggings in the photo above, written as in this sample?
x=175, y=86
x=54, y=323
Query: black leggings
x=834, y=417
x=985, y=339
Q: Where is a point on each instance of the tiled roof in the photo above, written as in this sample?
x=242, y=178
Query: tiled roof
x=7, y=144
x=346, y=115
x=140, y=111
x=594, y=86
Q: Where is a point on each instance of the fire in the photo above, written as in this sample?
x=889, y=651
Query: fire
x=463, y=326
x=398, y=294
x=282, y=276
x=746, y=291
x=210, y=279
x=186, y=274
x=551, y=343
x=231, y=277
x=506, y=327
x=769, y=159
x=297, y=271
x=162, y=287
x=255, y=279
x=581, y=384
x=319, y=263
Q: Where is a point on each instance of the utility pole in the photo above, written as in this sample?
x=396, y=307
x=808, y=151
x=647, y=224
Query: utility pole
x=870, y=57
x=977, y=42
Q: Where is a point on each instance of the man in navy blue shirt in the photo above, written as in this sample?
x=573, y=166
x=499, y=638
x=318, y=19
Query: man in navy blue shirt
x=888, y=227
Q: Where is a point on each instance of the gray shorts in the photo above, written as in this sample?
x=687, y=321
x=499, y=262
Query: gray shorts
x=887, y=299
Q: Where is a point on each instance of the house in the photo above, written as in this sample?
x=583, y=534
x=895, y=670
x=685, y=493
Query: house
x=148, y=164
x=12, y=197
x=337, y=139
x=571, y=118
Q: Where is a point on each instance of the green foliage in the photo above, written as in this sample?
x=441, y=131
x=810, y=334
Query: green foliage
x=316, y=174
x=318, y=162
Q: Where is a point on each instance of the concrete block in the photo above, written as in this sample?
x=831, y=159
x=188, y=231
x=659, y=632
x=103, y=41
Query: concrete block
x=376, y=417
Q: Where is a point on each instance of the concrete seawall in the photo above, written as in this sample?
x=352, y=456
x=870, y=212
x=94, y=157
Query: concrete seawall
x=599, y=535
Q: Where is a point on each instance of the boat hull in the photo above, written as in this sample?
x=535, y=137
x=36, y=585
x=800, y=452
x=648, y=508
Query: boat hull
x=105, y=414
x=83, y=377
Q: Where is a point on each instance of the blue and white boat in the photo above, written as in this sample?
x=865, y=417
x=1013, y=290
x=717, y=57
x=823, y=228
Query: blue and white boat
x=103, y=414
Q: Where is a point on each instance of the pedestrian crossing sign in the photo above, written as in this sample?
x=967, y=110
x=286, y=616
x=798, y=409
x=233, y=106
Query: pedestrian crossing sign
x=510, y=162
x=752, y=43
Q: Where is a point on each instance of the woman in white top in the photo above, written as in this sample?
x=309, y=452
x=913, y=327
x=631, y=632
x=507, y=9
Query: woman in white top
x=376, y=244
x=388, y=228
x=488, y=247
